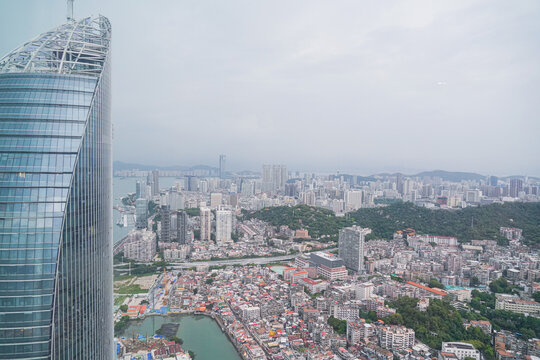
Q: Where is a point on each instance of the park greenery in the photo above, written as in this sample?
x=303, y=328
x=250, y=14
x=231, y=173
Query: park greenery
x=318, y=221
x=466, y=224
x=501, y=286
x=339, y=326
x=484, y=304
x=439, y=323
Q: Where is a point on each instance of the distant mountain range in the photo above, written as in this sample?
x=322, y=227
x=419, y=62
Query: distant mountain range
x=453, y=176
x=119, y=166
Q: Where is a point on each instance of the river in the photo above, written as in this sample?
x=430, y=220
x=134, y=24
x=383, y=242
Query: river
x=123, y=186
x=201, y=334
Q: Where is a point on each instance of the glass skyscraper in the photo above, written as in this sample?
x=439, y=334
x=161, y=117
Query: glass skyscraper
x=56, y=195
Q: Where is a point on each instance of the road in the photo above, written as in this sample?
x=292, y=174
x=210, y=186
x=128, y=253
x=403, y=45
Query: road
x=258, y=261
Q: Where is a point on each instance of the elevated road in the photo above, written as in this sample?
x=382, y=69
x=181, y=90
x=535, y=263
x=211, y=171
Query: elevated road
x=258, y=261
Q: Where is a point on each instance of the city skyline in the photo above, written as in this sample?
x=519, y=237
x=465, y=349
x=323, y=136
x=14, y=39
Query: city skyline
x=365, y=88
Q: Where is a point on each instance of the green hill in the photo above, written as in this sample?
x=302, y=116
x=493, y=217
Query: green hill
x=465, y=224
x=316, y=220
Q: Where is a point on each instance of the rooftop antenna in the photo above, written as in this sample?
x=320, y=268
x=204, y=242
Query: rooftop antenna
x=69, y=10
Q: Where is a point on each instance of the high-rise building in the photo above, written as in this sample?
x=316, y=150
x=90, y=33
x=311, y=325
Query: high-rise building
x=192, y=183
x=215, y=200
x=165, y=213
x=56, y=195
x=223, y=225
x=222, y=159
x=274, y=178
x=140, y=245
x=351, y=246
x=206, y=223
x=155, y=182
x=141, y=213
x=516, y=186
x=140, y=190
x=493, y=181
x=182, y=227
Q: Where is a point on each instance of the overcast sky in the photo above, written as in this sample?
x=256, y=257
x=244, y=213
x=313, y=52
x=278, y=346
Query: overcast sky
x=359, y=86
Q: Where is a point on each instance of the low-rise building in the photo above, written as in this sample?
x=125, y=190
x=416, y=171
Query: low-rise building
x=461, y=350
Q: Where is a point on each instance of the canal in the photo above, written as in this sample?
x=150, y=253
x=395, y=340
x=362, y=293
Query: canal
x=201, y=334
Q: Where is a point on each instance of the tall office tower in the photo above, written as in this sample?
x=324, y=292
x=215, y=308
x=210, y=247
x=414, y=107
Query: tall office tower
x=493, y=181
x=192, y=183
x=267, y=185
x=351, y=246
x=56, y=195
x=141, y=213
x=516, y=185
x=155, y=182
x=223, y=225
x=182, y=227
x=222, y=159
x=165, y=223
x=399, y=183
x=206, y=223
x=139, y=190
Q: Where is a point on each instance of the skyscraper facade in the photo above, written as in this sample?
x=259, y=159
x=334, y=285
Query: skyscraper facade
x=182, y=227
x=351, y=246
x=141, y=213
x=165, y=223
x=155, y=182
x=222, y=159
x=55, y=195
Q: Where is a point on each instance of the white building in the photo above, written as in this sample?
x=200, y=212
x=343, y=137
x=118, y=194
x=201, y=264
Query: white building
x=140, y=245
x=223, y=225
x=396, y=337
x=461, y=350
x=354, y=199
x=364, y=291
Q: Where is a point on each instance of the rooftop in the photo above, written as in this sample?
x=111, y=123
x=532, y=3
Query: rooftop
x=77, y=47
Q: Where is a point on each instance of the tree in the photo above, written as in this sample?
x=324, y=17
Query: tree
x=501, y=286
x=394, y=319
x=191, y=354
x=177, y=340
x=123, y=308
x=475, y=281
x=434, y=283
x=339, y=326
x=536, y=296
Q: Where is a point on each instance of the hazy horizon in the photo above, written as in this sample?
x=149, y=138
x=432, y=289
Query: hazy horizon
x=363, y=87
x=357, y=172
